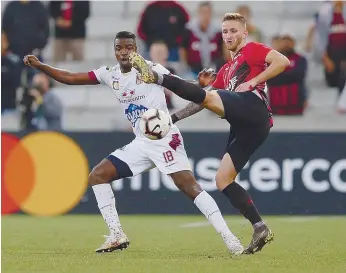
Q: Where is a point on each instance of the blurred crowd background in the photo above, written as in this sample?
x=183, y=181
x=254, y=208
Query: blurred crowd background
x=183, y=36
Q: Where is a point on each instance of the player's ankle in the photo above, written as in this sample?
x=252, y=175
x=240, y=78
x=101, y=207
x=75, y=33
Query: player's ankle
x=258, y=225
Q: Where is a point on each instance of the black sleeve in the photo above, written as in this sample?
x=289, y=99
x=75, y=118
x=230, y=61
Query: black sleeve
x=83, y=8
x=7, y=18
x=185, y=42
x=299, y=72
x=43, y=22
x=54, y=9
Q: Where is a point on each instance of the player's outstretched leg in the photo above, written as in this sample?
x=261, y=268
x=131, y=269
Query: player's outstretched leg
x=100, y=178
x=182, y=88
x=185, y=181
x=242, y=201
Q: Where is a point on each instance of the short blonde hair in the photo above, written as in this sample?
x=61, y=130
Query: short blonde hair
x=234, y=17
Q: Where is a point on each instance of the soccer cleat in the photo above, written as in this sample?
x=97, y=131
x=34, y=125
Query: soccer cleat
x=138, y=62
x=114, y=243
x=232, y=243
x=262, y=236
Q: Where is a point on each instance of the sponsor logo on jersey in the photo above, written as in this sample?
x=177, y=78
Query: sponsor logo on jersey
x=130, y=96
x=232, y=83
x=142, y=97
x=134, y=112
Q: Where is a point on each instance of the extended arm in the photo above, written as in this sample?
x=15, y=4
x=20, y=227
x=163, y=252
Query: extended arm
x=277, y=64
x=61, y=75
x=67, y=77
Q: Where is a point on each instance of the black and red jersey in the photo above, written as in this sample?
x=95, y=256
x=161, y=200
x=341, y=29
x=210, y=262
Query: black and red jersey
x=337, y=32
x=245, y=65
x=248, y=63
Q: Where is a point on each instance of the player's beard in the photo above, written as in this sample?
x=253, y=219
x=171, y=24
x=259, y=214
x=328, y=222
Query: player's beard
x=234, y=45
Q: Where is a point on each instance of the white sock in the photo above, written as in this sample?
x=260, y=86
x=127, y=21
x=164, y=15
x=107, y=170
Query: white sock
x=106, y=203
x=209, y=208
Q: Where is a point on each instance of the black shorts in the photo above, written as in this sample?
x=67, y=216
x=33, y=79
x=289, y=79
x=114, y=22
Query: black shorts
x=249, y=119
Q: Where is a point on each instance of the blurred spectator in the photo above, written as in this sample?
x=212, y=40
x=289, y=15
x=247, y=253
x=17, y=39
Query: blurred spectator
x=163, y=20
x=308, y=45
x=202, y=43
x=330, y=42
x=255, y=34
x=10, y=75
x=159, y=54
x=70, y=31
x=46, y=106
x=26, y=26
x=287, y=91
x=276, y=42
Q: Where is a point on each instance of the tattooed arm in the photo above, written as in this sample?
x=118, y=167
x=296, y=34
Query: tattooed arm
x=189, y=110
x=205, y=78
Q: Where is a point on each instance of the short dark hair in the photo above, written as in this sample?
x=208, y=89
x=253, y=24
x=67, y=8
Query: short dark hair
x=125, y=35
x=205, y=4
x=276, y=37
x=234, y=17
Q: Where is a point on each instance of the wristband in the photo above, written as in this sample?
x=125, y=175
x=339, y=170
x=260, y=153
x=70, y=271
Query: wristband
x=174, y=118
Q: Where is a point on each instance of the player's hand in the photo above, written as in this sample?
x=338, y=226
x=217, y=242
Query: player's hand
x=246, y=86
x=62, y=23
x=329, y=65
x=206, y=77
x=31, y=60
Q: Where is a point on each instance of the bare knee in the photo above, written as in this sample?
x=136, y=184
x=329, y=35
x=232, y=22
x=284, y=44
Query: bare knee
x=187, y=184
x=105, y=172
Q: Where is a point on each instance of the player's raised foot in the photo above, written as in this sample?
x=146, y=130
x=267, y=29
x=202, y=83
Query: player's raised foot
x=232, y=243
x=114, y=243
x=138, y=62
x=262, y=236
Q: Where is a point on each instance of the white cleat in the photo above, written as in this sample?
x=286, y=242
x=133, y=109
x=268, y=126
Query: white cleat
x=233, y=244
x=114, y=243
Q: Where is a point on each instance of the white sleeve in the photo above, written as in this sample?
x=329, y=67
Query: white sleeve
x=101, y=74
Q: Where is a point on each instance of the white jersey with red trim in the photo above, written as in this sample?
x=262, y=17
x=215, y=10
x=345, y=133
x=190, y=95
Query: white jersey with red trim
x=134, y=95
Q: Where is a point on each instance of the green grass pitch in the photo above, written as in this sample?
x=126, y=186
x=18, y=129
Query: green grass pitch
x=166, y=244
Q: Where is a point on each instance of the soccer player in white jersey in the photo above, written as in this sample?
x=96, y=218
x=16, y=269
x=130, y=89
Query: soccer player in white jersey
x=167, y=154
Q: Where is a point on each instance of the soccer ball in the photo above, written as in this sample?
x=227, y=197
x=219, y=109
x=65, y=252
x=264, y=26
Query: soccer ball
x=155, y=124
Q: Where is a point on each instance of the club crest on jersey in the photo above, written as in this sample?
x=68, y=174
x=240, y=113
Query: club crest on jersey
x=175, y=142
x=139, y=79
x=134, y=112
x=115, y=84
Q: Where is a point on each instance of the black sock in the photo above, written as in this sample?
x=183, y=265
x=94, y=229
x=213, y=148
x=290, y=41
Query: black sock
x=241, y=200
x=182, y=88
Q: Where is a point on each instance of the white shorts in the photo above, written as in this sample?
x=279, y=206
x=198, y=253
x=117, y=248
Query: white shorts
x=167, y=154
